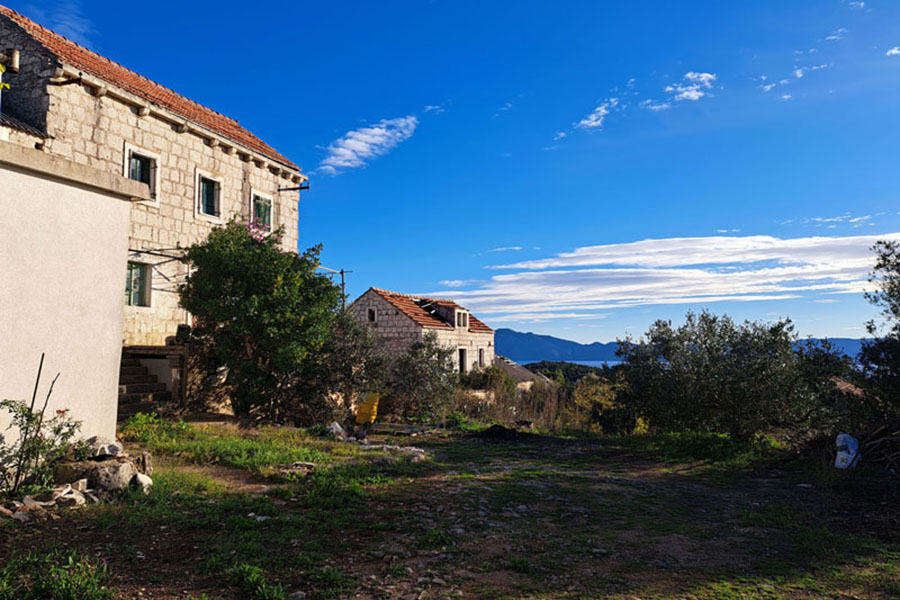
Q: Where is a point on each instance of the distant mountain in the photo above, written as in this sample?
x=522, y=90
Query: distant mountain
x=531, y=347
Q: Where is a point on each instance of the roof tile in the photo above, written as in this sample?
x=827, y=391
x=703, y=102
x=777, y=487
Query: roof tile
x=411, y=306
x=115, y=74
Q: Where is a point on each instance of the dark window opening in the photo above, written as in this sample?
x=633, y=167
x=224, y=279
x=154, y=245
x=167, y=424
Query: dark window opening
x=137, y=285
x=209, y=197
x=462, y=360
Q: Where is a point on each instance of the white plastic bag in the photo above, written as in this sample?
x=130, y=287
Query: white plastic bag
x=847, y=451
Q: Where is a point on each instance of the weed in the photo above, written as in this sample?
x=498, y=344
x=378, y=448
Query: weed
x=55, y=575
x=252, y=580
x=331, y=582
x=437, y=538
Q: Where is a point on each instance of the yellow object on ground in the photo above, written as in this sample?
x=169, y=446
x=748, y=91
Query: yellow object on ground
x=368, y=410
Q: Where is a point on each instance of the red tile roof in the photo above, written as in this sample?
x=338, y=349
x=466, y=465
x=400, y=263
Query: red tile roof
x=115, y=74
x=414, y=308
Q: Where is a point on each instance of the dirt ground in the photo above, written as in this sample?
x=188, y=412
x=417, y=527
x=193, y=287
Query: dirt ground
x=526, y=517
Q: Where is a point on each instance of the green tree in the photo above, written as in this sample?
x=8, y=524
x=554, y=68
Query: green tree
x=264, y=310
x=347, y=367
x=422, y=380
x=880, y=357
x=712, y=374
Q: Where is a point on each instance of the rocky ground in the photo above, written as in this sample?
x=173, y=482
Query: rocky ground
x=489, y=515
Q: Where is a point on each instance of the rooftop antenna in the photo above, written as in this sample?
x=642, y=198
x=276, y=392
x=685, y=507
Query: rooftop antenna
x=342, y=272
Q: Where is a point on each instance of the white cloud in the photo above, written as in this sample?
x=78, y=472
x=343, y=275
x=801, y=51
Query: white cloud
x=670, y=271
x=786, y=96
x=655, y=106
x=895, y=51
x=857, y=4
x=359, y=146
x=693, y=86
x=435, y=108
x=559, y=135
x=506, y=249
x=65, y=18
x=596, y=117
x=837, y=34
x=768, y=87
x=798, y=73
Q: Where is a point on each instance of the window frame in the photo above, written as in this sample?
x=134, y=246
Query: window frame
x=130, y=149
x=481, y=358
x=372, y=315
x=199, y=176
x=147, y=270
x=254, y=194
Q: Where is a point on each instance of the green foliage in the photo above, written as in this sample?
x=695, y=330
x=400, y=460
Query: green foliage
x=348, y=366
x=55, y=575
x=707, y=446
x=263, y=310
x=331, y=582
x=596, y=399
x=261, y=453
x=712, y=374
x=252, y=580
x=32, y=457
x=422, y=381
x=881, y=357
x=493, y=379
x=437, y=538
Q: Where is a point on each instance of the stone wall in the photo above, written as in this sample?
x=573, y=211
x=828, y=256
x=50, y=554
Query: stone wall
x=396, y=332
x=93, y=129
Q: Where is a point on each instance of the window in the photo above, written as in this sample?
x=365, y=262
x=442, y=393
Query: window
x=209, y=196
x=142, y=165
x=373, y=315
x=462, y=360
x=462, y=319
x=481, y=357
x=137, y=285
x=262, y=212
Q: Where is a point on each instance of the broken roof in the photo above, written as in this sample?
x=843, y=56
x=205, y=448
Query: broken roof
x=115, y=74
x=420, y=310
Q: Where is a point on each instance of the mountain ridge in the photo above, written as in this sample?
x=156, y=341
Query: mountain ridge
x=525, y=346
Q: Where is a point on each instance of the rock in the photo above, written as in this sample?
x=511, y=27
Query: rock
x=111, y=474
x=71, y=498
x=351, y=439
x=104, y=448
x=144, y=463
x=298, y=595
x=298, y=468
x=141, y=482
x=21, y=516
x=5, y=512
x=81, y=485
x=337, y=431
x=31, y=503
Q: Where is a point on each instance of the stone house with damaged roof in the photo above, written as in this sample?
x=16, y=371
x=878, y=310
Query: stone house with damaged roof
x=196, y=169
x=399, y=320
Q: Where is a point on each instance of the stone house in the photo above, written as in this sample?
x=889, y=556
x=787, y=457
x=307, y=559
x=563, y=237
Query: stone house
x=199, y=169
x=399, y=320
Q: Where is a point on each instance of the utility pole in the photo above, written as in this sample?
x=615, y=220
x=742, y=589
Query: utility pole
x=342, y=272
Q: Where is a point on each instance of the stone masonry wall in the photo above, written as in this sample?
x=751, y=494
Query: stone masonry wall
x=26, y=97
x=94, y=130
x=396, y=332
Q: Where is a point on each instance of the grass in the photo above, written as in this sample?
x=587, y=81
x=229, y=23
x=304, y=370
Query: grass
x=584, y=517
x=54, y=575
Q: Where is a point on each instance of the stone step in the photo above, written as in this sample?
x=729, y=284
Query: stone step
x=127, y=379
x=128, y=371
x=128, y=410
x=130, y=362
x=142, y=388
x=137, y=397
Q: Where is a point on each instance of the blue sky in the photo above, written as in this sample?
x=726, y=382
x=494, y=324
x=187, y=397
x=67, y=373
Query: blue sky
x=577, y=169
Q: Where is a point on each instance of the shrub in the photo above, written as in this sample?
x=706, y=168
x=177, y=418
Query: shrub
x=421, y=381
x=264, y=311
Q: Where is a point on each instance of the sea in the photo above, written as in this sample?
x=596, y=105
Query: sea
x=586, y=363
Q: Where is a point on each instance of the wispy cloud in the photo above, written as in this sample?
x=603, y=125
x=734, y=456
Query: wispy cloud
x=505, y=108
x=595, y=118
x=355, y=148
x=837, y=34
x=895, y=51
x=698, y=270
x=434, y=108
x=655, y=106
x=786, y=97
x=506, y=249
x=693, y=86
x=65, y=17
x=856, y=4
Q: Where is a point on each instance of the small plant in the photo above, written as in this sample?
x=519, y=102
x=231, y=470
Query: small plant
x=252, y=580
x=331, y=582
x=437, y=538
x=55, y=575
x=39, y=442
x=520, y=565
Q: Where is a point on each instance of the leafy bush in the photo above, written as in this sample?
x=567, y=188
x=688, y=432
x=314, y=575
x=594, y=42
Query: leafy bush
x=39, y=443
x=252, y=580
x=880, y=357
x=263, y=311
x=55, y=575
x=421, y=381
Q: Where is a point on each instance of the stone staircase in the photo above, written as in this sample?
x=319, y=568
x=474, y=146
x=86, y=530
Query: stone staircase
x=139, y=390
